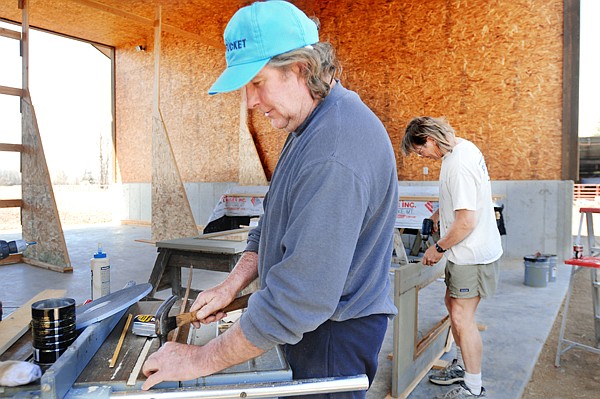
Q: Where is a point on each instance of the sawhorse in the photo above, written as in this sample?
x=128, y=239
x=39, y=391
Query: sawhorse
x=593, y=263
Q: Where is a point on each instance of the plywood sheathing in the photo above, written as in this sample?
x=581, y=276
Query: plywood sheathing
x=493, y=68
x=251, y=170
x=203, y=129
x=39, y=216
x=171, y=212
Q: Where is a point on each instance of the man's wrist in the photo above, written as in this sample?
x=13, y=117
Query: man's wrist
x=439, y=249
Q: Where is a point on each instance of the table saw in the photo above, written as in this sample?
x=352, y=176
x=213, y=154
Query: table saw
x=83, y=370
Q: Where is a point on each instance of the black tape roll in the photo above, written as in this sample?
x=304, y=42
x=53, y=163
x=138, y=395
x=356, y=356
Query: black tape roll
x=53, y=309
x=52, y=328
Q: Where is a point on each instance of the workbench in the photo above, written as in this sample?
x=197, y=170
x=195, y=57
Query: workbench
x=214, y=251
x=83, y=370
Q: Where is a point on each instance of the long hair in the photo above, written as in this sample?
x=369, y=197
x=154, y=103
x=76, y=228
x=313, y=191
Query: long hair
x=320, y=66
x=422, y=127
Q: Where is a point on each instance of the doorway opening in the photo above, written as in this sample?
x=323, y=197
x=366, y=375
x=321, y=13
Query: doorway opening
x=71, y=84
x=589, y=87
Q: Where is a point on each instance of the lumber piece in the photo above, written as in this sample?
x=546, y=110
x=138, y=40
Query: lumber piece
x=12, y=203
x=140, y=362
x=183, y=308
x=440, y=364
x=11, y=147
x=12, y=259
x=113, y=361
x=11, y=91
x=11, y=34
x=16, y=324
x=44, y=265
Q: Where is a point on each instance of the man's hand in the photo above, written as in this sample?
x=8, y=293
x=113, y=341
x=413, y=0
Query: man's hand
x=172, y=362
x=208, y=303
x=180, y=362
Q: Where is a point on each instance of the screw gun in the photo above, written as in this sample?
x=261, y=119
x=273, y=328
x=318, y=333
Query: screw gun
x=13, y=247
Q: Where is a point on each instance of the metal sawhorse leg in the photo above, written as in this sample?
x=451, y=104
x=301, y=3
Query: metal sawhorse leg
x=594, y=250
x=593, y=263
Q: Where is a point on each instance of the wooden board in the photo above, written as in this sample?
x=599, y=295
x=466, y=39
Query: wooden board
x=12, y=259
x=15, y=325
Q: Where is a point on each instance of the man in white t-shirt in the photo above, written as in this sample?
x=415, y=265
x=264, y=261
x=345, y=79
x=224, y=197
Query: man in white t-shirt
x=469, y=238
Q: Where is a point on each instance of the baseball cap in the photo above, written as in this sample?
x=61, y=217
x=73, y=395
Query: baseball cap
x=255, y=34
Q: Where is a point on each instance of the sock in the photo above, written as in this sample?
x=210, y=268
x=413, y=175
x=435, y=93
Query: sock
x=459, y=359
x=473, y=382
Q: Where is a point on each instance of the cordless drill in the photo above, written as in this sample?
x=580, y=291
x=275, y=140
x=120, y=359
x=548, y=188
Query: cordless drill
x=426, y=232
x=13, y=247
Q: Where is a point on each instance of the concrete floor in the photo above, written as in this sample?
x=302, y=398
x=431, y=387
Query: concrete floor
x=518, y=318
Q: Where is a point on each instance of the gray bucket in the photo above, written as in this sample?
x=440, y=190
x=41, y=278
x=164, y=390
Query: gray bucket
x=552, y=269
x=536, y=271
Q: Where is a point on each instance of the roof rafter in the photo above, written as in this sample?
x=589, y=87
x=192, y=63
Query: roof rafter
x=147, y=21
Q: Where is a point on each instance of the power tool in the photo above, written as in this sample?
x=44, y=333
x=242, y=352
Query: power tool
x=13, y=247
x=426, y=232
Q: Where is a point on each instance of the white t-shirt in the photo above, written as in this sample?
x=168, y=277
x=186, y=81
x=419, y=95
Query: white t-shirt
x=465, y=184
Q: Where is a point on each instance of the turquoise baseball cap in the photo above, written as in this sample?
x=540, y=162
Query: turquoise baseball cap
x=257, y=33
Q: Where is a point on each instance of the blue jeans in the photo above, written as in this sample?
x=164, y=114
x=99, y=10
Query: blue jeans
x=336, y=349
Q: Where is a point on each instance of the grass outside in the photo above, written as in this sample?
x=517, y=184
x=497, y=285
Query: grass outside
x=77, y=205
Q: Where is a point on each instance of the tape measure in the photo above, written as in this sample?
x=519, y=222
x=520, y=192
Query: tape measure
x=144, y=325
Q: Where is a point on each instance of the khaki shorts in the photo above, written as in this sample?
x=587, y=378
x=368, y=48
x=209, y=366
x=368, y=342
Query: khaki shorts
x=470, y=281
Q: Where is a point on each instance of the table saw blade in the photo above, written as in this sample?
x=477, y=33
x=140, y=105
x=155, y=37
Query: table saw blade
x=110, y=304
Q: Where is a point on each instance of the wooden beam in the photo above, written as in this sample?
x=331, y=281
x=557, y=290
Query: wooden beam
x=49, y=266
x=570, y=87
x=12, y=259
x=148, y=21
x=11, y=34
x=11, y=91
x=17, y=323
x=24, y=6
x=11, y=147
x=156, y=84
x=11, y=203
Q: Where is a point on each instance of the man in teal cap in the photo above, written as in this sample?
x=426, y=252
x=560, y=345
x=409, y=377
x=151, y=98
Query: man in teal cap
x=322, y=250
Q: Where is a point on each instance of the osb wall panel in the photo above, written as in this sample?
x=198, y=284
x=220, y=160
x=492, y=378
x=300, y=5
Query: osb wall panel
x=203, y=130
x=493, y=68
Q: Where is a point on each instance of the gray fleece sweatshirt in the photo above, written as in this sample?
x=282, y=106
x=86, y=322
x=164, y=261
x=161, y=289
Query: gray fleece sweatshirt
x=325, y=240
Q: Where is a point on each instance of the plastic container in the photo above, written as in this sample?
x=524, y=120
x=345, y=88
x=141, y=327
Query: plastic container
x=100, y=278
x=536, y=271
x=552, y=267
